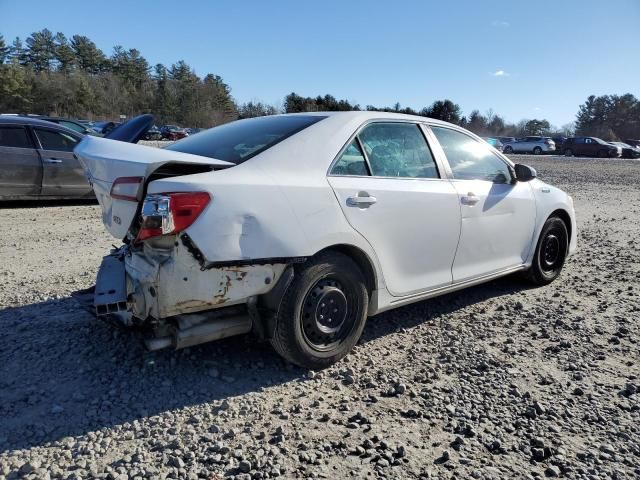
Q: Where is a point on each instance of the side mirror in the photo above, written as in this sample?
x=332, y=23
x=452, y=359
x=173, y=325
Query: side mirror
x=524, y=173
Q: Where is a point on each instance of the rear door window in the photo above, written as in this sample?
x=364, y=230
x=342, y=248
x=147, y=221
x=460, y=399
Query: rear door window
x=52, y=140
x=398, y=150
x=15, y=137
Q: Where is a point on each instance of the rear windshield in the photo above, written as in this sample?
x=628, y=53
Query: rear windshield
x=239, y=141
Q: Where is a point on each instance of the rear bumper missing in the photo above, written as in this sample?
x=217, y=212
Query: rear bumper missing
x=162, y=283
x=159, y=283
x=180, y=302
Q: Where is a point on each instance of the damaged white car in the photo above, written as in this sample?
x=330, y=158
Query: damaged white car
x=299, y=227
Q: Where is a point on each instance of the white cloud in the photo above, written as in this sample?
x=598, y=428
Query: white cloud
x=500, y=24
x=500, y=73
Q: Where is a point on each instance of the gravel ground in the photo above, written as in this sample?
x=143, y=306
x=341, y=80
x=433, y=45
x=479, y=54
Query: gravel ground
x=498, y=381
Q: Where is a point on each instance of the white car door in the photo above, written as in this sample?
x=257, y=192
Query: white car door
x=498, y=215
x=391, y=191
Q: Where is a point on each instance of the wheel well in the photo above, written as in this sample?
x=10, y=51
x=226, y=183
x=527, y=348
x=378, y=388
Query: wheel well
x=564, y=216
x=362, y=260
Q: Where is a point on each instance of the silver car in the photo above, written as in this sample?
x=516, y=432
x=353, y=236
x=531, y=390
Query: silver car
x=535, y=145
x=37, y=162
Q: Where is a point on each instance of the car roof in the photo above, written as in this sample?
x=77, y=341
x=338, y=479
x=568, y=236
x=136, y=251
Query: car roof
x=365, y=115
x=33, y=121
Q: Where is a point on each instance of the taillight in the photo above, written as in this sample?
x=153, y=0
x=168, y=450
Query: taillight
x=169, y=213
x=126, y=188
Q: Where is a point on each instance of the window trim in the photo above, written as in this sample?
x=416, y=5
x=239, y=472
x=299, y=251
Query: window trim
x=39, y=146
x=495, y=153
x=356, y=135
x=27, y=133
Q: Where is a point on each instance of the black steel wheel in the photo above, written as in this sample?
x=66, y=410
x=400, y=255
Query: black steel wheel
x=551, y=252
x=326, y=317
x=323, y=312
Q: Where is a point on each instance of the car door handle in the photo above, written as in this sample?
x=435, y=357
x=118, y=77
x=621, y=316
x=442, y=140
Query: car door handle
x=469, y=199
x=362, y=200
x=52, y=160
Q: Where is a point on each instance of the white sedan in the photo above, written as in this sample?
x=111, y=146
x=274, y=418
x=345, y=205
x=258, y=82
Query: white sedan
x=299, y=227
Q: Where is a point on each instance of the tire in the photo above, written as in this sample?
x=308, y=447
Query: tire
x=302, y=336
x=603, y=153
x=508, y=149
x=550, y=254
x=568, y=152
x=537, y=151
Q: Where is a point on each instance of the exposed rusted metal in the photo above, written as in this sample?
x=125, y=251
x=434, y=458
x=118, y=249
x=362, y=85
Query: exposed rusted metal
x=166, y=281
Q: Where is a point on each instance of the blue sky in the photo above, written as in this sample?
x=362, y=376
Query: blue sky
x=521, y=59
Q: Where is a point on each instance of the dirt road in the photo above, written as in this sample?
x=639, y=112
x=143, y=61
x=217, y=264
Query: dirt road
x=498, y=381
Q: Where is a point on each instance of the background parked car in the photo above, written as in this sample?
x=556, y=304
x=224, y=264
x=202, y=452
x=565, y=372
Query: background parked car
x=104, y=127
x=506, y=140
x=633, y=143
x=559, y=141
x=36, y=161
x=494, y=142
x=535, y=145
x=590, y=146
x=627, y=151
x=173, y=132
x=153, y=133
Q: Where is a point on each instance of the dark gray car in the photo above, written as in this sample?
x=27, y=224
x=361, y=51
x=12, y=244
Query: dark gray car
x=37, y=162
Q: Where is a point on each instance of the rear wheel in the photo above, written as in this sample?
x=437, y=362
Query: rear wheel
x=568, y=152
x=508, y=149
x=323, y=312
x=551, y=252
x=537, y=151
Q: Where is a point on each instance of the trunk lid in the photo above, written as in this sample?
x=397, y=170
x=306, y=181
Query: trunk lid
x=106, y=160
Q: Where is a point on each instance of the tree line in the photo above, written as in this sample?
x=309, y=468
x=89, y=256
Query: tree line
x=54, y=75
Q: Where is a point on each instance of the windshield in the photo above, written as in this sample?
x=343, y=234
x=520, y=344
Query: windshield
x=239, y=141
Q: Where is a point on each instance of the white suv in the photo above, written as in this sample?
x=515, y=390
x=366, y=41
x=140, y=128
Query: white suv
x=535, y=145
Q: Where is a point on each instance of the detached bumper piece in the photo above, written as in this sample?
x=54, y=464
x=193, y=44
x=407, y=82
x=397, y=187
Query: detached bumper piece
x=110, y=296
x=196, y=328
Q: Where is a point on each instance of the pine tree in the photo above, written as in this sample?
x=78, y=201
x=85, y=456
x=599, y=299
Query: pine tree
x=14, y=89
x=63, y=53
x=5, y=50
x=88, y=57
x=17, y=53
x=41, y=50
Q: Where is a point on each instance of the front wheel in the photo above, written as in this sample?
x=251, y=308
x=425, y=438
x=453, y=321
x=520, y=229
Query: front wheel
x=568, y=152
x=508, y=149
x=323, y=312
x=551, y=252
